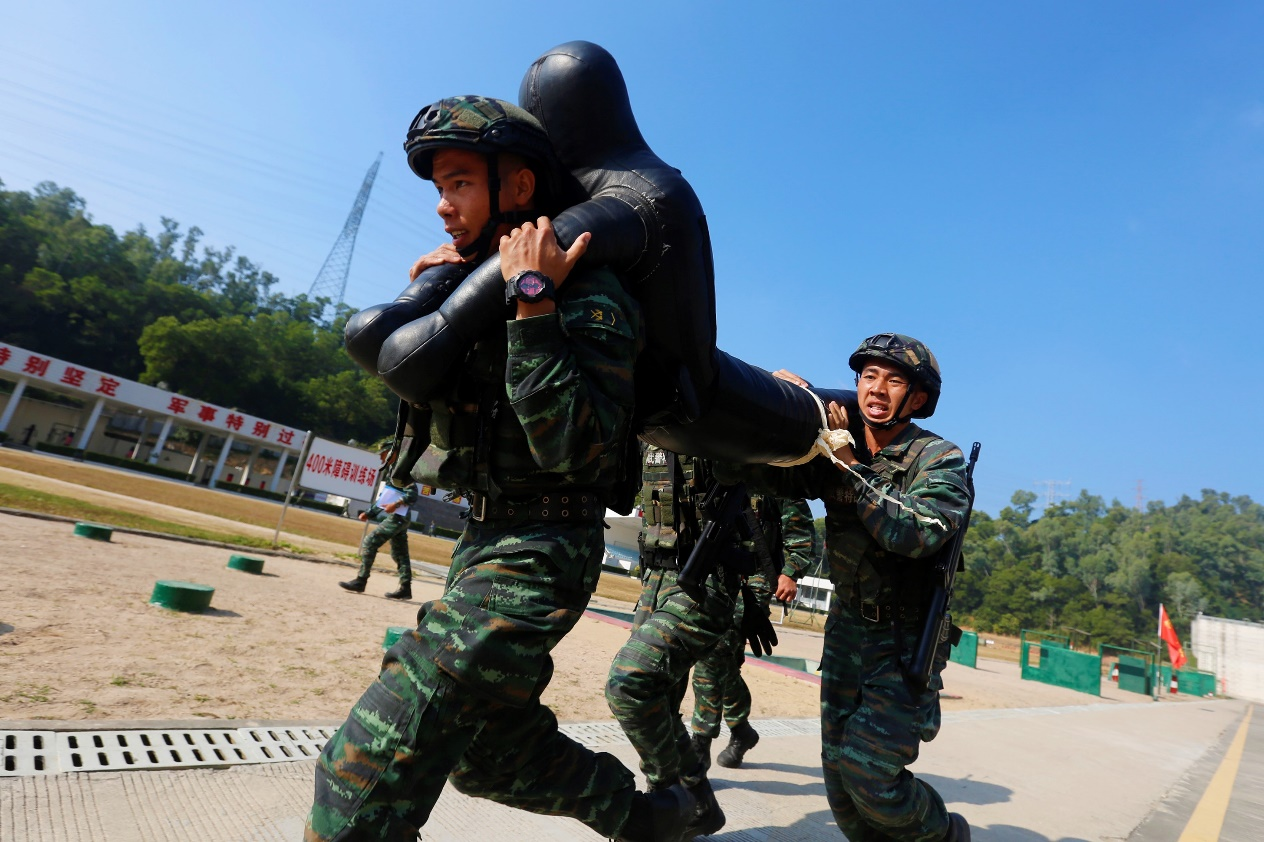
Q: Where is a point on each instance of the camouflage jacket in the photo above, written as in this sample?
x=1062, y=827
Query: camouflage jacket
x=541, y=403
x=912, y=499
x=787, y=524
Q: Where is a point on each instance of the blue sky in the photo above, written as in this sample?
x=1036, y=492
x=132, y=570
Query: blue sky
x=1064, y=200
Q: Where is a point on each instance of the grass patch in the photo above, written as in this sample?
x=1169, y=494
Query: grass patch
x=30, y=500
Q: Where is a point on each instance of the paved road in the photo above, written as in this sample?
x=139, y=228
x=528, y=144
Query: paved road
x=1110, y=771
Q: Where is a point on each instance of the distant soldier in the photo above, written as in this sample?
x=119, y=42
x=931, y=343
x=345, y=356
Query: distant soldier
x=391, y=510
x=898, y=496
x=718, y=688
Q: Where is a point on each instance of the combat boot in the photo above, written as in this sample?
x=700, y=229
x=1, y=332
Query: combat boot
x=958, y=828
x=708, y=818
x=702, y=748
x=356, y=585
x=661, y=815
x=405, y=592
x=741, y=740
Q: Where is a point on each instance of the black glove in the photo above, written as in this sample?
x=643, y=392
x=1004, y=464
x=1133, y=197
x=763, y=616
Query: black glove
x=756, y=627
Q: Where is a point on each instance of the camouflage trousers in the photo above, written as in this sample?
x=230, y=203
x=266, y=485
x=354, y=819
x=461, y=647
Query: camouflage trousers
x=719, y=692
x=670, y=633
x=458, y=698
x=394, y=529
x=872, y=727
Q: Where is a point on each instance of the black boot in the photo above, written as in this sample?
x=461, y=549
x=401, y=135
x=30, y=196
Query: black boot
x=958, y=828
x=356, y=585
x=405, y=592
x=702, y=748
x=741, y=740
x=661, y=815
x=708, y=818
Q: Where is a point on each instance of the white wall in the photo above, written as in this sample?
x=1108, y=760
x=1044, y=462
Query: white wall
x=1234, y=651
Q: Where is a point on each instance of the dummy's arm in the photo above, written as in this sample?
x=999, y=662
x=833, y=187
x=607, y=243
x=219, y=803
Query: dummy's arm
x=416, y=356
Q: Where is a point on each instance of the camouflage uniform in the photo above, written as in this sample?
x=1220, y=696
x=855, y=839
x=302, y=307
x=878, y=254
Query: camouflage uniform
x=871, y=723
x=535, y=427
x=393, y=528
x=718, y=688
x=670, y=633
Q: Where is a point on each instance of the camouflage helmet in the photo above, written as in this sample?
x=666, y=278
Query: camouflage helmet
x=480, y=124
x=908, y=354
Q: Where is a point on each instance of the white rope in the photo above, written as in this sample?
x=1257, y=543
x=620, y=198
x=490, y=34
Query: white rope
x=827, y=441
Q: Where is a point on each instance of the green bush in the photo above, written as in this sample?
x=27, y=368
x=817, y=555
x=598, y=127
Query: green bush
x=58, y=449
x=134, y=465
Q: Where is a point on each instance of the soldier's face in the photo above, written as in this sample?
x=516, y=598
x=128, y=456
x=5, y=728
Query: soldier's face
x=881, y=387
x=460, y=176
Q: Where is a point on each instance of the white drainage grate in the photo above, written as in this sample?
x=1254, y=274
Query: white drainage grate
x=51, y=752
x=27, y=753
x=95, y=751
x=280, y=744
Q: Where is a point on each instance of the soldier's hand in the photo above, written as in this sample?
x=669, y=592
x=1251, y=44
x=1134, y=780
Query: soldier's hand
x=791, y=377
x=535, y=247
x=787, y=589
x=445, y=253
x=838, y=421
x=364, y=516
x=756, y=627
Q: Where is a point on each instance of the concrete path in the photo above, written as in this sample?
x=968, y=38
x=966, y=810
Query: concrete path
x=1107, y=771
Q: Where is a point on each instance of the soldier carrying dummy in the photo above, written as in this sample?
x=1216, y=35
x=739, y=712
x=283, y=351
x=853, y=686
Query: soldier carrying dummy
x=532, y=423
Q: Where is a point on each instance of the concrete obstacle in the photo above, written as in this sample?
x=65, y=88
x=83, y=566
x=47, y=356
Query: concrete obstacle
x=182, y=596
x=246, y=564
x=94, y=531
x=393, y=633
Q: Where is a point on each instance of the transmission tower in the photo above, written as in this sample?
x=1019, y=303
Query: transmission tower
x=331, y=280
x=1051, y=486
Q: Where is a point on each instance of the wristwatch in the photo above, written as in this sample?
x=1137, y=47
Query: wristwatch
x=529, y=286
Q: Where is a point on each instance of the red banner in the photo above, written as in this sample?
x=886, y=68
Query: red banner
x=1175, y=652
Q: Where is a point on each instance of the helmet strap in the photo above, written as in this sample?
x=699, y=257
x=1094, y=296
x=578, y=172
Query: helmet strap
x=481, y=248
x=895, y=419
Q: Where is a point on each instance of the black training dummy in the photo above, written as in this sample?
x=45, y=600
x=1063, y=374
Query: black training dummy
x=648, y=226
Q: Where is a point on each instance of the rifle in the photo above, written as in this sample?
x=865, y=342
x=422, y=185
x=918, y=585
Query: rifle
x=723, y=507
x=938, y=626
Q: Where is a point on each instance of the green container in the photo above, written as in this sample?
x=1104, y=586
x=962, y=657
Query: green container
x=1134, y=675
x=1196, y=682
x=967, y=650
x=93, y=531
x=1062, y=667
x=182, y=596
x=246, y=564
x=393, y=633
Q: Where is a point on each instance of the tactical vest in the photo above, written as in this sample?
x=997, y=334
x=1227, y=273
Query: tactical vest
x=658, y=498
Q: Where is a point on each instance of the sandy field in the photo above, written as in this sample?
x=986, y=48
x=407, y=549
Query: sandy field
x=79, y=640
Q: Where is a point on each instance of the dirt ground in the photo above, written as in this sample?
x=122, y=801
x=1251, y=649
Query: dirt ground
x=79, y=641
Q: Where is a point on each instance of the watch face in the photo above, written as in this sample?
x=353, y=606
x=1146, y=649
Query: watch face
x=530, y=285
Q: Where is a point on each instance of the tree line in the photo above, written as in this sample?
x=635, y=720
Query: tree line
x=1098, y=572
x=163, y=308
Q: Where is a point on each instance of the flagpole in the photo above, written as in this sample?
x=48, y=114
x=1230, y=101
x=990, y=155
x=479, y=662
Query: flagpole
x=1158, y=657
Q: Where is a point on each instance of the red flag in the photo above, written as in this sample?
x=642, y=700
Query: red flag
x=1175, y=652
